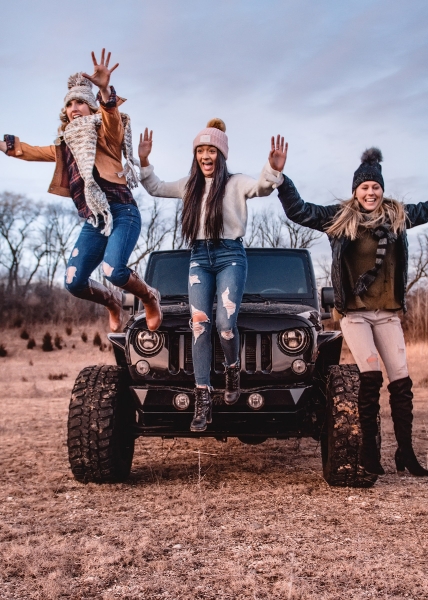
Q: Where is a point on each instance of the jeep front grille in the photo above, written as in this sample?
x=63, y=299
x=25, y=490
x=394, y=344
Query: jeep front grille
x=256, y=354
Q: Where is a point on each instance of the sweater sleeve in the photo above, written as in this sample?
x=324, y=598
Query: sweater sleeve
x=24, y=151
x=268, y=181
x=162, y=189
x=304, y=213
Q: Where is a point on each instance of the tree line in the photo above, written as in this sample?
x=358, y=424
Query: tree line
x=36, y=239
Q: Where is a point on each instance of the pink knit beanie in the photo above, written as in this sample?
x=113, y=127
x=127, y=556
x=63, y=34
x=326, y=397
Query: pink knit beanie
x=213, y=135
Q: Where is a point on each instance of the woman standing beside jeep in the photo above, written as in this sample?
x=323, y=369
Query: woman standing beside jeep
x=214, y=220
x=369, y=273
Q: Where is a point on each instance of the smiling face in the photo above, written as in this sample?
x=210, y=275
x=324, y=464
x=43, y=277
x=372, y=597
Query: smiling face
x=76, y=109
x=370, y=195
x=206, y=157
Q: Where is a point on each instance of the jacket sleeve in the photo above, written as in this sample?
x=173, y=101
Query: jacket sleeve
x=417, y=214
x=268, y=181
x=307, y=214
x=162, y=189
x=24, y=151
x=112, y=125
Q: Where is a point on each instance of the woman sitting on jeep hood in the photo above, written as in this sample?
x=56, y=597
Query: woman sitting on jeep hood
x=369, y=273
x=214, y=220
x=88, y=156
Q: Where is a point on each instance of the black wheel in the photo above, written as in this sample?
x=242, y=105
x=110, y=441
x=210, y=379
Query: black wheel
x=100, y=440
x=341, y=435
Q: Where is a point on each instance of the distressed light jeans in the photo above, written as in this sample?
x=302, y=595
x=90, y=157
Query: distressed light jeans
x=370, y=334
x=93, y=247
x=215, y=267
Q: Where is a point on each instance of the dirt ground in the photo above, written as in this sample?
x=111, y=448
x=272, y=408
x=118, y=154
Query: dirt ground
x=197, y=519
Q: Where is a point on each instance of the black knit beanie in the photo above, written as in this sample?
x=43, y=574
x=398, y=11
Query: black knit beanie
x=370, y=169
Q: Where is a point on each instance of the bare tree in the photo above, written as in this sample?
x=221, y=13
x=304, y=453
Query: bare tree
x=154, y=231
x=419, y=262
x=268, y=229
x=57, y=233
x=323, y=270
x=18, y=216
x=177, y=238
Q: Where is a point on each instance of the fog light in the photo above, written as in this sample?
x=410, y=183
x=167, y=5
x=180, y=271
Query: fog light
x=255, y=401
x=142, y=367
x=299, y=366
x=181, y=401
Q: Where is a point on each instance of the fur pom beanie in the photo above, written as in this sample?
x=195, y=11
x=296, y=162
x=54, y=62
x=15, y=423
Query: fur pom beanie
x=79, y=88
x=213, y=135
x=370, y=169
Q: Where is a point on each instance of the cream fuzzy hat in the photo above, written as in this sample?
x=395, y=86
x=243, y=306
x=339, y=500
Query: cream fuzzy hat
x=213, y=135
x=79, y=88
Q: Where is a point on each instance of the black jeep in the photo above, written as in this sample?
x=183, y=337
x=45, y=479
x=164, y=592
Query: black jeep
x=292, y=382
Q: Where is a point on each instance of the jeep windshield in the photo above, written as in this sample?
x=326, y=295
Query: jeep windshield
x=273, y=273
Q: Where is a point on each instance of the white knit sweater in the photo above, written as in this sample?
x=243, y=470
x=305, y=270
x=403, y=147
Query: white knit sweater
x=238, y=189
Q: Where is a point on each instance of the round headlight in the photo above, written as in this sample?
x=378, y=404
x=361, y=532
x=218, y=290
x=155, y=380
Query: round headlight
x=255, y=401
x=148, y=343
x=293, y=341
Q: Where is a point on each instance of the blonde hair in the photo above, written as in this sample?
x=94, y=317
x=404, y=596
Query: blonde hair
x=350, y=218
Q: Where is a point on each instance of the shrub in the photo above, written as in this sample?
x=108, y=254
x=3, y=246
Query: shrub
x=84, y=337
x=97, y=340
x=68, y=330
x=17, y=322
x=24, y=335
x=47, y=343
x=31, y=343
x=58, y=341
x=3, y=351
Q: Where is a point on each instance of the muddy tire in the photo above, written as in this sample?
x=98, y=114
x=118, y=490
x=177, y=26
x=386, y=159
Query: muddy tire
x=341, y=436
x=100, y=441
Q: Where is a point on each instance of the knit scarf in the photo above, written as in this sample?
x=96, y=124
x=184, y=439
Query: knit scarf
x=384, y=235
x=80, y=135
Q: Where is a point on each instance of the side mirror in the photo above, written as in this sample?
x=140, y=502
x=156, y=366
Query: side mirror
x=327, y=301
x=129, y=302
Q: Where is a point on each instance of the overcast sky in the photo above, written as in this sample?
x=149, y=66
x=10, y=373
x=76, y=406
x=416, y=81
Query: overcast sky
x=333, y=77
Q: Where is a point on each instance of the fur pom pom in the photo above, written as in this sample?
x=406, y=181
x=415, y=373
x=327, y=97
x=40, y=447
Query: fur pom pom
x=78, y=79
x=372, y=156
x=217, y=124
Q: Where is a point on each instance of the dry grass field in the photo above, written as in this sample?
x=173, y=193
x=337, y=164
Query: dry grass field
x=197, y=519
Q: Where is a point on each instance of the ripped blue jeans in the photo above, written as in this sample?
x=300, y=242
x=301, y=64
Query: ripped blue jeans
x=93, y=247
x=215, y=267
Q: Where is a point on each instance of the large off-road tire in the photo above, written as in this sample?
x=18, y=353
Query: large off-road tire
x=101, y=414
x=341, y=435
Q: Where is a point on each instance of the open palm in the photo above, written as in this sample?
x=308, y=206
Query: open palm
x=278, y=153
x=101, y=75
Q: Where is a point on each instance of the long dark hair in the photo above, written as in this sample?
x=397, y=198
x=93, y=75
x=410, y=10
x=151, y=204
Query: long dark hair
x=192, y=200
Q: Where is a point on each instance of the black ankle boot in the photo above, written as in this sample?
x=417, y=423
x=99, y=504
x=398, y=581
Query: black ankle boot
x=405, y=458
x=400, y=399
x=203, y=409
x=368, y=409
x=232, y=390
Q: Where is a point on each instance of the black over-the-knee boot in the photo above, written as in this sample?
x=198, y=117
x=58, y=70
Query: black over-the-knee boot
x=400, y=398
x=368, y=409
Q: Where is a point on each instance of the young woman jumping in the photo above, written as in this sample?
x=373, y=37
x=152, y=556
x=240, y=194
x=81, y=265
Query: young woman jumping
x=214, y=220
x=88, y=156
x=367, y=234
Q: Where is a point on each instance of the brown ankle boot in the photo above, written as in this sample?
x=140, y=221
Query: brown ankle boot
x=149, y=296
x=111, y=299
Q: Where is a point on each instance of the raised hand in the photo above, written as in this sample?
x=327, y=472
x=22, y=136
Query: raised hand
x=278, y=153
x=101, y=76
x=145, y=147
